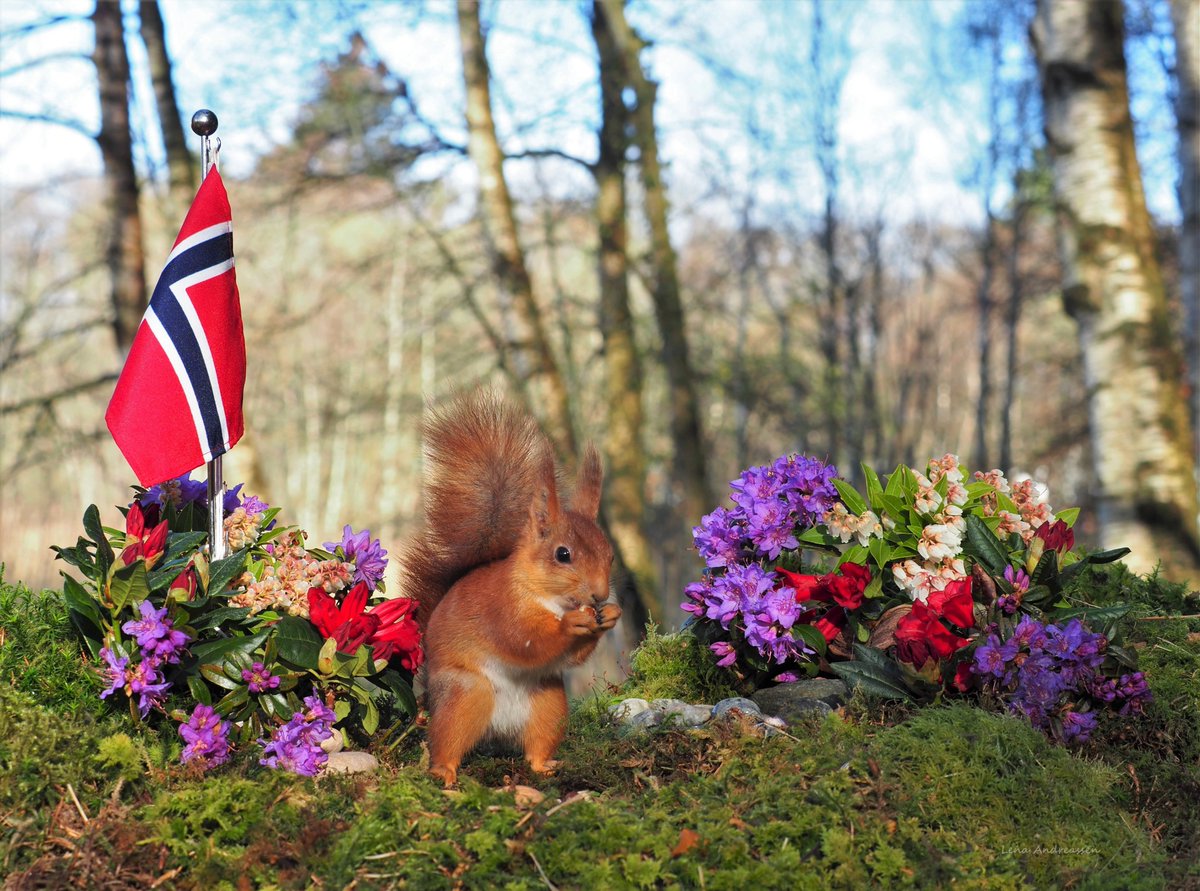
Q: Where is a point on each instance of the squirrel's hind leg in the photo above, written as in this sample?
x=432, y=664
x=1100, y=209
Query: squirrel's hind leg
x=461, y=709
x=546, y=727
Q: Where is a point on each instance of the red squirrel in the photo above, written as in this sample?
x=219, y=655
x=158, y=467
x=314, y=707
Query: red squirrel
x=512, y=584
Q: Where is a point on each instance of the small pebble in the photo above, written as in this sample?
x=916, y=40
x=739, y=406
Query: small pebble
x=335, y=743
x=747, y=706
x=625, y=710
x=351, y=762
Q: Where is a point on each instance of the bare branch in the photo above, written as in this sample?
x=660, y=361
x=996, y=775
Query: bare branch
x=39, y=118
x=45, y=400
x=43, y=60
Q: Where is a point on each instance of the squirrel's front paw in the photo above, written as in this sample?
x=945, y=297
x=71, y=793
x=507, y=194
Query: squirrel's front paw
x=607, y=616
x=580, y=622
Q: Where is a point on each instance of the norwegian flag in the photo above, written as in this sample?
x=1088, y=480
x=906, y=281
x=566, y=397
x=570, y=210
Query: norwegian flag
x=178, y=401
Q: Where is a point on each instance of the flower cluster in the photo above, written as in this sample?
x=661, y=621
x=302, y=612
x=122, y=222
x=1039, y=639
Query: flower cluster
x=159, y=645
x=207, y=738
x=296, y=745
x=771, y=504
x=939, y=580
x=272, y=632
x=1052, y=675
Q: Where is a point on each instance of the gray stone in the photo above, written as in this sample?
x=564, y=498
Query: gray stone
x=625, y=710
x=789, y=704
x=682, y=713
x=668, y=706
x=648, y=718
x=335, y=743
x=725, y=706
x=830, y=691
x=351, y=762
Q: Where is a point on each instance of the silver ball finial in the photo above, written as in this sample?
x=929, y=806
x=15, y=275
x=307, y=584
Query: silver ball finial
x=204, y=122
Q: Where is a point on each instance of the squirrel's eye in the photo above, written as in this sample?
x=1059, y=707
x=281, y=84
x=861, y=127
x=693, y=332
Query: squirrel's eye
x=562, y=554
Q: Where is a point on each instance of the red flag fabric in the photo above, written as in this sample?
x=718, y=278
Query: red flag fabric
x=178, y=401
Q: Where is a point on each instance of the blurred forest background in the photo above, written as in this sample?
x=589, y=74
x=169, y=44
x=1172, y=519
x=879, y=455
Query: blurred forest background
x=700, y=234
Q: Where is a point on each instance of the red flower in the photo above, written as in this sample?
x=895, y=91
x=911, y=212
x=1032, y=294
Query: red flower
x=398, y=633
x=148, y=546
x=388, y=628
x=921, y=637
x=848, y=588
x=347, y=623
x=964, y=678
x=186, y=582
x=954, y=603
x=845, y=590
x=1058, y=536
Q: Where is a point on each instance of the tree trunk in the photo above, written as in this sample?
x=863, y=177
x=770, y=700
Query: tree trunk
x=624, y=443
x=181, y=168
x=1137, y=416
x=687, y=432
x=1186, y=16
x=123, y=253
x=508, y=257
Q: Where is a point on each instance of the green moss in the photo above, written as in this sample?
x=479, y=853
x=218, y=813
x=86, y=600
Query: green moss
x=675, y=666
x=40, y=654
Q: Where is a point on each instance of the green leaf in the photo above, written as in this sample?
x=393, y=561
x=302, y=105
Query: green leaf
x=199, y=689
x=817, y=537
x=104, y=551
x=215, y=651
x=877, y=657
x=811, y=636
x=221, y=573
x=880, y=552
x=984, y=546
x=874, y=487
x=232, y=700
x=871, y=679
x=82, y=604
x=370, y=721
x=1037, y=595
x=216, y=674
x=1123, y=656
x=850, y=497
x=129, y=586
x=277, y=705
x=1107, y=556
x=341, y=709
x=874, y=587
x=401, y=689
x=181, y=544
x=298, y=641
x=895, y=508
x=895, y=483
x=78, y=557
x=1094, y=615
x=225, y=615
x=855, y=554
x=1068, y=516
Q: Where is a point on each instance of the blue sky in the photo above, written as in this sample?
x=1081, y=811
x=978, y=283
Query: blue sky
x=908, y=138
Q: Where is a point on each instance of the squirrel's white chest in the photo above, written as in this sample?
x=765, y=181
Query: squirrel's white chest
x=512, y=691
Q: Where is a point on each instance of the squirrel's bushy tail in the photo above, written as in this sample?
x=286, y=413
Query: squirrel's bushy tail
x=482, y=462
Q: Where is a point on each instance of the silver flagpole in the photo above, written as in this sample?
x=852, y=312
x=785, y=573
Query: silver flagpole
x=204, y=125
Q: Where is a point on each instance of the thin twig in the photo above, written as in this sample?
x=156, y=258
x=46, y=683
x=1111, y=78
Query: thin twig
x=1165, y=618
x=542, y=872
x=78, y=806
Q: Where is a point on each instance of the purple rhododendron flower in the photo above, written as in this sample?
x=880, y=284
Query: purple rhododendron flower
x=176, y=493
x=367, y=555
x=155, y=634
x=116, y=671
x=253, y=506
x=233, y=499
x=207, y=738
x=260, y=678
x=718, y=538
x=1078, y=726
x=1017, y=578
x=144, y=681
x=770, y=527
x=296, y=746
x=726, y=652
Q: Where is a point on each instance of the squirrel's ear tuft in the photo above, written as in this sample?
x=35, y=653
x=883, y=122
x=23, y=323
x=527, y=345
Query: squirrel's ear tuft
x=589, y=484
x=543, y=510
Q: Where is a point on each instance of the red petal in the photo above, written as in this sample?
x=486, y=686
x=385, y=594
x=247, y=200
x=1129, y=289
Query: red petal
x=322, y=611
x=807, y=587
x=354, y=603
x=135, y=522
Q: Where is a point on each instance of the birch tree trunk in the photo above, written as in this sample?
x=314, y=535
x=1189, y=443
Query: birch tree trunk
x=123, y=253
x=508, y=257
x=1137, y=416
x=687, y=432
x=1186, y=17
x=181, y=168
x=625, y=480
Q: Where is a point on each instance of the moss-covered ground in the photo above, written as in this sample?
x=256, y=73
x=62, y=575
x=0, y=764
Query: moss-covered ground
x=871, y=796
